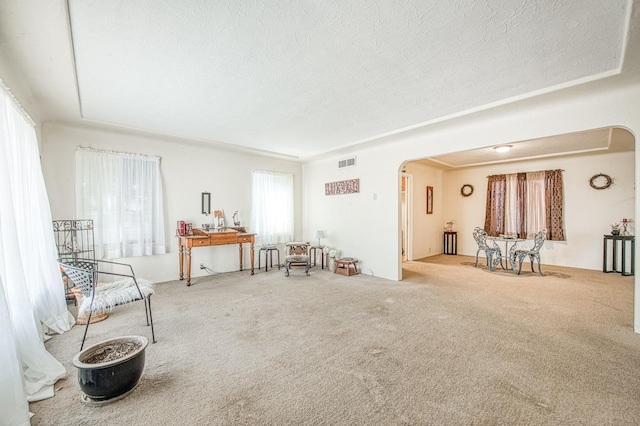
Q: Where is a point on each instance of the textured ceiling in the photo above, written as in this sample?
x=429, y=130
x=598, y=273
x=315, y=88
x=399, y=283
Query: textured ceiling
x=301, y=78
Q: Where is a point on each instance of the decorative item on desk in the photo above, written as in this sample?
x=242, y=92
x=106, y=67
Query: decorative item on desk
x=182, y=228
x=218, y=219
x=188, y=229
x=319, y=235
x=236, y=220
x=449, y=226
x=615, y=229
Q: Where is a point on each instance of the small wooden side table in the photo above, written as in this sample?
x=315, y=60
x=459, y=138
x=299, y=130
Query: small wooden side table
x=314, y=256
x=450, y=242
x=346, y=266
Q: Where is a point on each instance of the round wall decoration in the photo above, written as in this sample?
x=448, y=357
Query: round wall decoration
x=600, y=181
x=466, y=190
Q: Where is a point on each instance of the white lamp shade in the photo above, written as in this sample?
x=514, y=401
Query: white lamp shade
x=320, y=234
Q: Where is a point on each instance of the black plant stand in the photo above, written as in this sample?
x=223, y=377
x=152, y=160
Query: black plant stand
x=450, y=242
x=623, y=239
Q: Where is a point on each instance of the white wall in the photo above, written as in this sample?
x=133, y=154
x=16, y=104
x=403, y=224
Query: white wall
x=362, y=225
x=370, y=229
x=188, y=169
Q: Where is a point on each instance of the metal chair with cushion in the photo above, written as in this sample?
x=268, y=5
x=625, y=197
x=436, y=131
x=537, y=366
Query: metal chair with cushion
x=84, y=273
x=480, y=235
x=297, y=254
x=533, y=253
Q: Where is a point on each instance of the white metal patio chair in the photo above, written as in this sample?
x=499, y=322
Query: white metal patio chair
x=533, y=253
x=480, y=235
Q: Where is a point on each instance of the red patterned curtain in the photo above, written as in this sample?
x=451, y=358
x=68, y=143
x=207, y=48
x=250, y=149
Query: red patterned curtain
x=494, y=215
x=554, y=200
x=522, y=204
x=494, y=222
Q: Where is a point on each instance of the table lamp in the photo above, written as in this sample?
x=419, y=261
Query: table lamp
x=319, y=235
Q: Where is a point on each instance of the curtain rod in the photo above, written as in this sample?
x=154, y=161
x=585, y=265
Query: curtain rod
x=16, y=103
x=504, y=174
x=270, y=172
x=106, y=151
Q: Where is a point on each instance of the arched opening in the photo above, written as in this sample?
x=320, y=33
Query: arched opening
x=459, y=182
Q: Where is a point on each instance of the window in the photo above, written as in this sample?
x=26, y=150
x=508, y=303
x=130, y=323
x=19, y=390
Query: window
x=122, y=193
x=272, y=206
x=524, y=203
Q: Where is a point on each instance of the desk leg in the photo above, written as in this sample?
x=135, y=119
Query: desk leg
x=240, y=245
x=604, y=255
x=188, y=266
x=181, y=259
x=615, y=256
x=251, y=255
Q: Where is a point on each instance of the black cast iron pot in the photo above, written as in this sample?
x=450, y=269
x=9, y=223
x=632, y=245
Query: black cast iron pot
x=111, y=368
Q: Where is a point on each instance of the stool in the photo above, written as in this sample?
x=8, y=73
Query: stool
x=268, y=255
x=346, y=266
x=297, y=259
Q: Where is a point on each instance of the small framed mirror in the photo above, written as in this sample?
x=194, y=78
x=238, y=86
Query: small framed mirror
x=206, y=203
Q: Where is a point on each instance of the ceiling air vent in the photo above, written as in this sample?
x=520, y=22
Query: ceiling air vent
x=349, y=162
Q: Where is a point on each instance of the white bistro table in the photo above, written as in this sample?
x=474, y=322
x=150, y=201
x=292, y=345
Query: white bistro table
x=504, y=258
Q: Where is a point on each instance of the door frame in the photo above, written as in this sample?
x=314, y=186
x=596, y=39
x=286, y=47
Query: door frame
x=408, y=216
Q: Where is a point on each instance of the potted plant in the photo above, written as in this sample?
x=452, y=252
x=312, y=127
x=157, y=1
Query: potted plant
x=111, y=369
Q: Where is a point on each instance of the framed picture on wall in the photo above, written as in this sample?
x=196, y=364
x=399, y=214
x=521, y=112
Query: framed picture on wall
x=429, y=199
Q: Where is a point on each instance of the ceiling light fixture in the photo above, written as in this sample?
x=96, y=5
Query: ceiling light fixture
x=502, y=148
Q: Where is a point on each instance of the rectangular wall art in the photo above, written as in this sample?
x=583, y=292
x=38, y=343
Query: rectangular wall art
x=350, y=186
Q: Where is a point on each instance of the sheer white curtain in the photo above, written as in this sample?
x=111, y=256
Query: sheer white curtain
x=30, y=282
x=122, y=193
x=536, y=215
x=272, y=206
x=511, y=210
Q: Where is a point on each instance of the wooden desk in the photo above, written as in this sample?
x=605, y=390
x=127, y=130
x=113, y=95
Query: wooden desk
x=212, y=237
x=314, y=256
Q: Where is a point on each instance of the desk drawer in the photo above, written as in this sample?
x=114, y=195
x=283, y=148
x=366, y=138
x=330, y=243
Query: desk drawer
x=224, y=239
x=245, y=238
x=198, y=242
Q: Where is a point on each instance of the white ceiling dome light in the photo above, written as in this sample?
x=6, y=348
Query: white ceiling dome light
x=502, y=148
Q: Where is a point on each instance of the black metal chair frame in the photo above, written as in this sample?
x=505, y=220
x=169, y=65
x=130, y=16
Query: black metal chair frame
x=480, y=235
x=85, y=272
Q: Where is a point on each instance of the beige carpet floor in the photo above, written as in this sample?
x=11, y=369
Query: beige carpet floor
x=450, y=344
